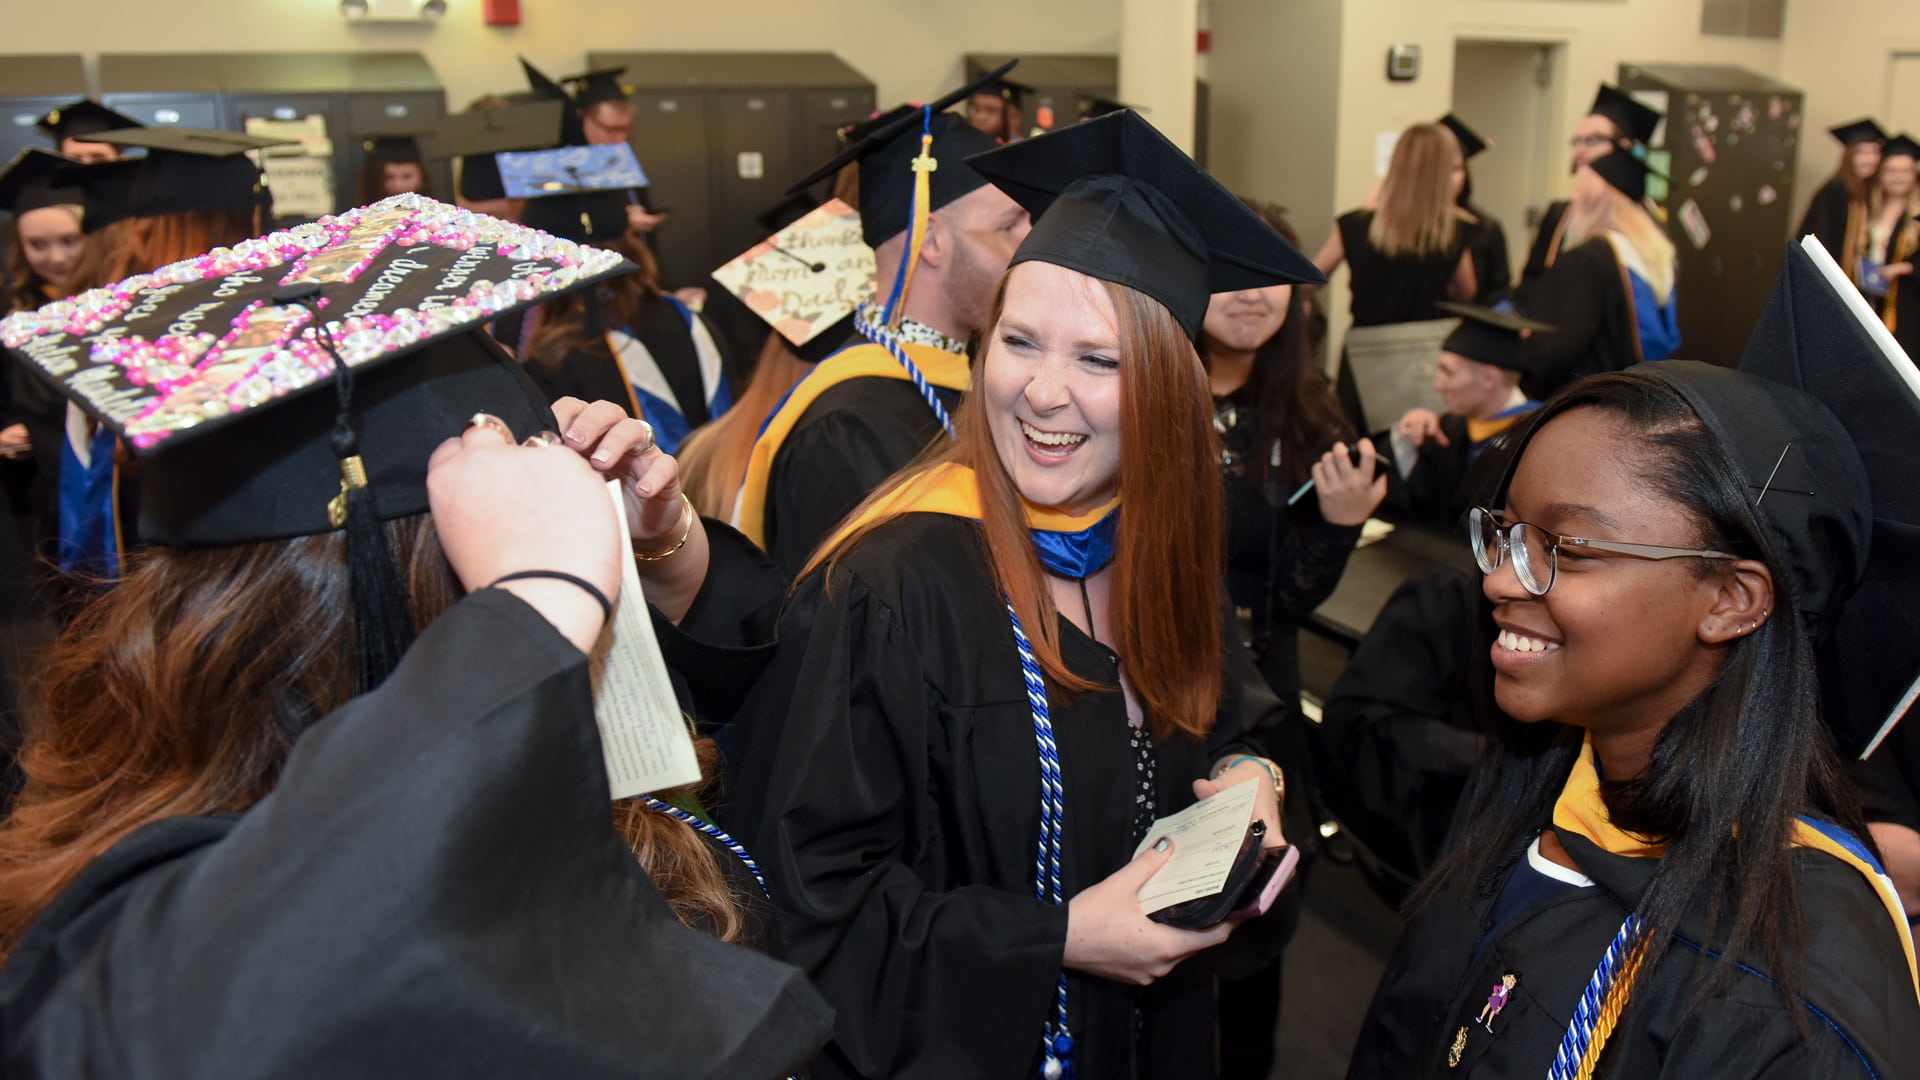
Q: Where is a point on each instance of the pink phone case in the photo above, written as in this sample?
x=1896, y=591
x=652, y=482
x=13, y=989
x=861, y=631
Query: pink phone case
x=1282, y=874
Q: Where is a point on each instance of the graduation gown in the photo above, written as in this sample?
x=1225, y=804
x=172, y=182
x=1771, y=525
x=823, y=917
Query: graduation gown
x=1855, y=974
x=1831, y=216
x=1546, y=242
x=1492, y=267
x=852, y=422
x=1439, y=491
x=890, y=786
x=434, y=888
x=1588, y=297
x=667, y=368
x=1397, y=288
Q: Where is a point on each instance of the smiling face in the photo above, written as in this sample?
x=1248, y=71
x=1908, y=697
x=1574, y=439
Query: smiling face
x=50, y=239
x=1616, y=644
x=1897, y=176
x=1051, y=378
x=1865, y=158
x=1245, y=320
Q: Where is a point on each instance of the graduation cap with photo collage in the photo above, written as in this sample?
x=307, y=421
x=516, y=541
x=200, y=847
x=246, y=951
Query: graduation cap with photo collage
x=296, y=384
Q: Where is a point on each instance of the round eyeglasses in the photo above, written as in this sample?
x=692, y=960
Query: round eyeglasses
x=1536, y=552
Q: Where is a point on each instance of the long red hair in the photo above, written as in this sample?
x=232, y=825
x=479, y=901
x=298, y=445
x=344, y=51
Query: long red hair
x=1167, y=570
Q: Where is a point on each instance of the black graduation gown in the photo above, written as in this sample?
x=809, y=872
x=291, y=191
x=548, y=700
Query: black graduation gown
x=726, y=637
x=1546, y=243
x=1492, y=266
x=890, y=787
x=591, y=373
x=434, y=888
x=1397, y=288
x=1445, y=481
x=1855, y=974
x=847, y=443
x=1586, y=299
x=1829, y=213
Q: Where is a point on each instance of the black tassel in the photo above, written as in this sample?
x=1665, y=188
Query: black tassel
x=379, y=605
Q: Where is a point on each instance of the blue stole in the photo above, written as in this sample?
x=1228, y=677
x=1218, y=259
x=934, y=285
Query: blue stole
x=1081, y=553
x=86, y=544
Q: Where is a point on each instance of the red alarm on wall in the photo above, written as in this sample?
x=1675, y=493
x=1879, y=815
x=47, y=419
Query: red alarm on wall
x=502, y=12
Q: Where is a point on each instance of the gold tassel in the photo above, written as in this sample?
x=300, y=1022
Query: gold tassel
x=923, y=169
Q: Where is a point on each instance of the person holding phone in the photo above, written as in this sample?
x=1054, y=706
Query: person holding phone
x=1015, y=657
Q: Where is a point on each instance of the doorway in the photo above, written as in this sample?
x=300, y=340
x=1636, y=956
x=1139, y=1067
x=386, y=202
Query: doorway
x=1505, y=91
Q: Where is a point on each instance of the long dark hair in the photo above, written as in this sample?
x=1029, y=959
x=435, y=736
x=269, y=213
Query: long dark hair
x=1732, y=769
x=580, y=320
x=1293, y=403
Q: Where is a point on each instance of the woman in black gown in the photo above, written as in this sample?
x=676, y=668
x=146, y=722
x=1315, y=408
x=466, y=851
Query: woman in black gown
x=1836, y=210
x=1410, y=251
x=1886, y=242
x=948, y=824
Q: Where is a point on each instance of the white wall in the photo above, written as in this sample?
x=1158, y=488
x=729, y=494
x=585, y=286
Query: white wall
x=910, y=48
x=1273, y=73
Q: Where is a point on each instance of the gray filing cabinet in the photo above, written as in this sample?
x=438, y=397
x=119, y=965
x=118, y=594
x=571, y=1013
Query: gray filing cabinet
x=722, y=135
x=360, y=94
x=30, y=86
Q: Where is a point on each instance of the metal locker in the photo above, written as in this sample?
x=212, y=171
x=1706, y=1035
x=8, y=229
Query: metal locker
x=753, y=161
x=822, y=114
x=30, y=86
x=371, y=113
x=671, y=139
x=162, y=90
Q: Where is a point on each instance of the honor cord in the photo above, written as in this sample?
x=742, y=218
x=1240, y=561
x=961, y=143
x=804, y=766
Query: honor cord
x=1056, y=1043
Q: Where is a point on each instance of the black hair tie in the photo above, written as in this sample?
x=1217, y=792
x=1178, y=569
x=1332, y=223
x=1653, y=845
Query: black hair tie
x=606, y=605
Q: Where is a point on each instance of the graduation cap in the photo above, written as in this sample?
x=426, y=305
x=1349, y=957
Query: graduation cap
x=541, y=84
x=1859, y=131
x=885, y=148
x=1490, y=335
x=1635, y=121
x=31, y=182
x=1094, y=107
x=789, y=209
x=185, y=169
x=569, y=170
x=806, y=279
x=1007, y=90
x=1901, y=145
x=1840, y=497
x=81, y=119
x=477, y=135
x=1114, y=199
x=1625, y=172
x=296, y=384
x=1470, y=141
x=593, y=87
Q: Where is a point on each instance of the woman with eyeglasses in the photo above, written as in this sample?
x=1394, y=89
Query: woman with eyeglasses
x=1661, y=852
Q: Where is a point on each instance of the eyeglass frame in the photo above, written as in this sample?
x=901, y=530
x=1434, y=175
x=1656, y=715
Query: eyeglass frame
x=1503, y=536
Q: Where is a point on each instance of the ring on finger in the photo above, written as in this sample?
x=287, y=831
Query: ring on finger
x=542, y=438
x=646, y=443
x=485, y=419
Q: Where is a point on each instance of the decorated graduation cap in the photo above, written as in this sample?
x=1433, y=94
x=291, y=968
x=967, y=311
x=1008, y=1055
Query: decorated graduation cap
x=1624, y=172
x=296, y=384
x=1858, y=131
x=577, y=192
x=1114, y=199
x=1901, y=145
x=1470, y=141
x=32, y=182
x=1635, y=121
x=82, y=119
x=593, y=87
x=886, y=149
x=806, y=279
x=184, y=170
x=1840, y=497
x=477, y=135
x=1490, y=335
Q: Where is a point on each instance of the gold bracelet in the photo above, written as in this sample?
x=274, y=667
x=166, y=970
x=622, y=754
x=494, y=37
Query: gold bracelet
x=688, y=515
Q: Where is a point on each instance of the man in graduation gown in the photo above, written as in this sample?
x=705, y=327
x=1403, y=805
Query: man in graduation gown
x=1615, y=122
x=1478, y=377
x=859, y=415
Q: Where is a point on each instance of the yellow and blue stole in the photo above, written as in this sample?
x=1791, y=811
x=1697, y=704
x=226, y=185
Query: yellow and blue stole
x=1074, y=546
x=948, y=371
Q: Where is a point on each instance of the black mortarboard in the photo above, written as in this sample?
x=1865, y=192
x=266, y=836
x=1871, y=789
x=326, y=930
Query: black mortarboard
x=1625, y=172
x=885, y=148
x=1859, y=131
x=1635, y=121
x=570, y=132
x=477, y=134
x=218, y=379
x=1094, y=107
x=542, y=84
x=1470, y=141
x=1901, y=145
x=594, y=87
x=396, y=149
x=81, y=119
x=1818, y=335
x=31, y=182
x=1114, y=199
x=185, y=169
x=1007, y=90
x=584, y=217
x=1490, y=336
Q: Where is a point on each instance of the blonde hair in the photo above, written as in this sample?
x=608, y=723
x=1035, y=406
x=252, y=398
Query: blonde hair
x=1598, y=209
x=1416, y=213
x=713, y=460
